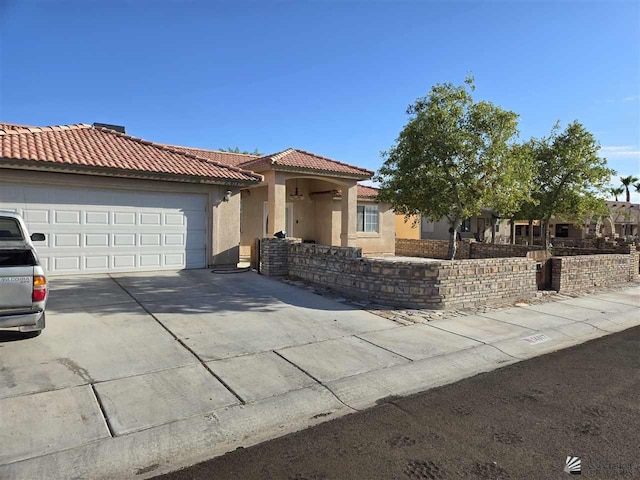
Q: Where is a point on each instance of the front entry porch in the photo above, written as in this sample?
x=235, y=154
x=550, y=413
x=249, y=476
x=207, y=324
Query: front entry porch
x=316, y=210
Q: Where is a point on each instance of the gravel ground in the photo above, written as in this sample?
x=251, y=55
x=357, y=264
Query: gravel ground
x=519, y=422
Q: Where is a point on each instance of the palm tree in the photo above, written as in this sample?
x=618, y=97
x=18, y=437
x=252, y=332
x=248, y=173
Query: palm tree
x=637, y=185
x=616, y=191
x=626, y=182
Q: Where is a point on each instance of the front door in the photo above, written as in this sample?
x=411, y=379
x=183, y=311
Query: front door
x=288, y=219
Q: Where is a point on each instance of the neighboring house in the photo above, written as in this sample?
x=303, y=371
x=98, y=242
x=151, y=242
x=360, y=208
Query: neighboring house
x=625, y=217
x=622, y=222
x=476, y=227
x=109, y=202
x=408, y=227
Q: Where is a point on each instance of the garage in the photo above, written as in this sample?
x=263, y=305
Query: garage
x=101, y=230
x=108, y=202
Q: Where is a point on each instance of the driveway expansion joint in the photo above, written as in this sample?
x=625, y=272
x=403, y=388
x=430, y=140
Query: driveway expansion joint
x=314, y=379
x=381, y=347
x=184, y=345
x=103, y=412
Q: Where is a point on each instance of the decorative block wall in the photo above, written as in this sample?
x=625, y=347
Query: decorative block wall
x=409, y=284
x=581, y=272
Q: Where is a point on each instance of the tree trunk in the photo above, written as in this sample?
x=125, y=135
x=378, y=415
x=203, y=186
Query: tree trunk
x=512, y=234
x=628, y=194
x=544, y=226
x=493, y=229
x=530, y=232
x=453, y=237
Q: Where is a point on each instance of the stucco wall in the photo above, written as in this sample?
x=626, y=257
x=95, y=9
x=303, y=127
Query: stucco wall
x=384, y=241
x=222, y=217
x=406, y=228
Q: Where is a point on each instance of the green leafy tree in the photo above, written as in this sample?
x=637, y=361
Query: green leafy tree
x=237, y=150
x=626, y=183
x=616, y=192
x=454, y=157
x=570, y=179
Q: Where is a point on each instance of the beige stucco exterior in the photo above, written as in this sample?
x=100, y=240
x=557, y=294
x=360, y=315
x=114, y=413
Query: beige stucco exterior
x=408, y=228
x=317, y=216
x=223, y=217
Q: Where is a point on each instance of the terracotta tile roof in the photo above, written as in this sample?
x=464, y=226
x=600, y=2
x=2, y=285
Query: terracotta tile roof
x=367, y=192
x=300, y=159
x=9, y=127
x=84, y=145
x=226, y=158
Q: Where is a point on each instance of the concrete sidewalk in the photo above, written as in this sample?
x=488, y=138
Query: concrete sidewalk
x=233, y=380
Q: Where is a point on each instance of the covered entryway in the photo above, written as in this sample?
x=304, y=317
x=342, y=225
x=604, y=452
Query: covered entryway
x=109, y=230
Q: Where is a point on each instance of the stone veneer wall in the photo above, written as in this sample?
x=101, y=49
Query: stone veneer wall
x=419, y=284
x=576, y=273
x=440, y=249
x=573, y=251
x=490, y=250
x=274, y=256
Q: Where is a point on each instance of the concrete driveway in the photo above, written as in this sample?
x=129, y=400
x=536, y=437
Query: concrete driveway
x=139, y=374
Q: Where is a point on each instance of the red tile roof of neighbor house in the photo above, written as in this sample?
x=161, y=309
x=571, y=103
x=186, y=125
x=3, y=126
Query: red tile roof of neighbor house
x=300, y=159
x=227, y=158
x=84, y=145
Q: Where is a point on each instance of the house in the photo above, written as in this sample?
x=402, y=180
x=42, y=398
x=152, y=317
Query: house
x=477, y=227
x=313, y=198
x=623, y=221
x=625, y=217
x=110, y=202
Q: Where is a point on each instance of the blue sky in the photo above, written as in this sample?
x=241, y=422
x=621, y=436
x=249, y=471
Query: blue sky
x=333, y=77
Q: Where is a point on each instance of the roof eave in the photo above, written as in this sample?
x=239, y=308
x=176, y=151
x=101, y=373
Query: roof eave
x=326, y=173
x=44, y=166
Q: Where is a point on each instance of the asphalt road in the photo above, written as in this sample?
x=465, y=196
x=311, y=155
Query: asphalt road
x=519, y=422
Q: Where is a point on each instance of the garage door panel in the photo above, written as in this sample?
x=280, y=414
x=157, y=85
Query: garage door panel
x=101, y=231
x=96, y=218
x=96, y=240
x=96, y=262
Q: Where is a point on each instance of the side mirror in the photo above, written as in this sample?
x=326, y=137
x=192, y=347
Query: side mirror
x=37, y=237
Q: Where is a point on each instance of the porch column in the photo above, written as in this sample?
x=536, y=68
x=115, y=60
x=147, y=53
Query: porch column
x=349, y=210
x=277, y=199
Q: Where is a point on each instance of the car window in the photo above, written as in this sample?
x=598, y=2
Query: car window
x=10, y=229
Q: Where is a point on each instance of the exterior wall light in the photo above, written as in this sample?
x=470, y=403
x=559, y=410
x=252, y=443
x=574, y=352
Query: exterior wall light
x=226, y=196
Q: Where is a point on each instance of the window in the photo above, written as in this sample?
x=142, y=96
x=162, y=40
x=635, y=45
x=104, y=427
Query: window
x=562, y=230
x=367, y=218
x=466, y=225
x=428, y=227
x=9, y=229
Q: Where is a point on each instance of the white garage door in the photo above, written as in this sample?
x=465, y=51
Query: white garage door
x=99, y=231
